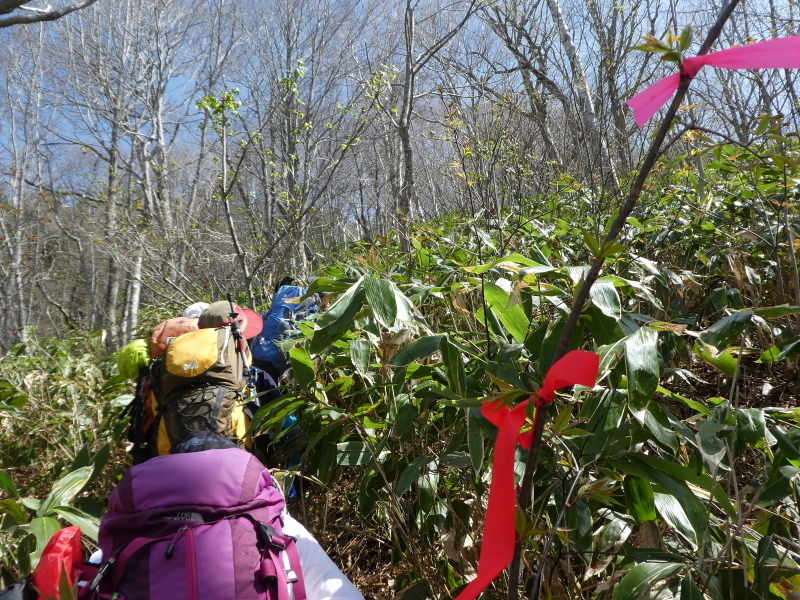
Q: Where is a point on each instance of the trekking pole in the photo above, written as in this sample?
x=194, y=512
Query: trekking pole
x=241, y=347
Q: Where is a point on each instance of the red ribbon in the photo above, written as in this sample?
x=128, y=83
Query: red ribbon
x=780, y=53
x=499, y=530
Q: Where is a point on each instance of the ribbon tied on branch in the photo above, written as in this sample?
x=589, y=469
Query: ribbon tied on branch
x=779, y=53
x=499, y=531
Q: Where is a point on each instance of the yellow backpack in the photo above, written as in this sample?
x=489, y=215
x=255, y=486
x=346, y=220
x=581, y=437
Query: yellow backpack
x=202, y=384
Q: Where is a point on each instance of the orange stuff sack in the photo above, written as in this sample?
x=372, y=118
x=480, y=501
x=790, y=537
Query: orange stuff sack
x=169, y=330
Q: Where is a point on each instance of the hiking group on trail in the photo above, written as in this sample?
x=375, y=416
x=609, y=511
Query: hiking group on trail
x=198, y=515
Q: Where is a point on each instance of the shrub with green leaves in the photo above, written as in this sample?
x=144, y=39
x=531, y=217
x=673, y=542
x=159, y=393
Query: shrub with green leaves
x=640, y=487
x=61, y=422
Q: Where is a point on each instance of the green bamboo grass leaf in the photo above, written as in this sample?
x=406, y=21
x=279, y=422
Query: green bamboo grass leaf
x=325, y=462
x=657, y=422
x=786, y=444
x=405, y=312
x=610, y=356
x=338, y=308
x=577, y=274
x=360, y=353
x=456, y=375
x=404, y=421
x=353, y=453
x=475, y=441
x=65, y=592
x=605, y=297
x=613, y=534
x=325, y=284
x=779, y=486
x=43, y=529
x=31, y=503
x=639, y=499
x=82, y=459
x=690, y=475
x=424, y=346
x=590, y=242
x=643, y=369
x=724, y=361
x=514, y=257
x=512, y=317
x=381, y=299
x=64, y=490
x=15, y=510
x=604, y=431
x=696, y=515
x=328, y=433
x=642, y=578
x=786, y=349
x=302, y=367
x=674, y=514
x=775, y=312
x=99, y=461
x=751, y=425
x=604, y=329
x=693, y=404
x=332, y=330
x=722, y=333
x=767, y=560
x=7, y=484
x=581, y=519
x=410, y=474
x=90, y=526
x=689, y=589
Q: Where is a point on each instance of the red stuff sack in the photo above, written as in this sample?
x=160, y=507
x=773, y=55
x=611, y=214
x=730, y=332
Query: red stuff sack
x=62, y=553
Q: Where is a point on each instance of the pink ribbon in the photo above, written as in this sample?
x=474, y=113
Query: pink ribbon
x=780, y=53
x=499, y=530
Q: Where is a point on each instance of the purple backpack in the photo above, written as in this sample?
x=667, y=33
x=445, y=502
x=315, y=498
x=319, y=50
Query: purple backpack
x=197, y=526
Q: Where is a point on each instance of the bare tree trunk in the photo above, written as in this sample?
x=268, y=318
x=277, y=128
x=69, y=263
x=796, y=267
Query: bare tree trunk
x=406, y=199
x=598, y=146
x=226, y=200
x=112, y=224
x=134, y=296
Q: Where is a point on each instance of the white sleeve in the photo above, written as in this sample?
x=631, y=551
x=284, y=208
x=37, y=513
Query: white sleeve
x=322, y=578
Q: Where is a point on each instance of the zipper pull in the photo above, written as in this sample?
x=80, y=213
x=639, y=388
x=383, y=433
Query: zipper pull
x=171, y=548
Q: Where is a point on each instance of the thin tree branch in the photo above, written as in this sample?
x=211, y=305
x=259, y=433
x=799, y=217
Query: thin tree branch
x=36, y=17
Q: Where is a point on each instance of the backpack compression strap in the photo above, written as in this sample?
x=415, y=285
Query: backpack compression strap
x=272, y=567
x=298, y=584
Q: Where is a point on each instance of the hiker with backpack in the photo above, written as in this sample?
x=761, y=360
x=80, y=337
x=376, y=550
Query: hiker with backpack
x=212, y=520
x=207, y=525
x=192, y=395
x=201, y=381
x=134, y=362
x=279, y=323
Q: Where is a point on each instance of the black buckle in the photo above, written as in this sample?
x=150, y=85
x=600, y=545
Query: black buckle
x=102, y=572
x=270, y=536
